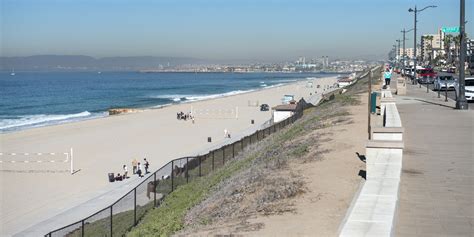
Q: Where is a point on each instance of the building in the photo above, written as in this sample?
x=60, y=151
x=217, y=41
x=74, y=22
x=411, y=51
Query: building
x=282, y=112
x=434, y=45
x=409, y=52
x=470, y=47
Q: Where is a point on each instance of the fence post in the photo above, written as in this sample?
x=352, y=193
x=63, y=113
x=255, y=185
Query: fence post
x=233, y=150
x=200, y=166
x=242, y=144
x=187, y=168
x=154, y=189
x=213, y=160
x=172, y=175
x=82, y=228
x=250, y=142
x=223, y=155
x=111, y=223
x=134, y=206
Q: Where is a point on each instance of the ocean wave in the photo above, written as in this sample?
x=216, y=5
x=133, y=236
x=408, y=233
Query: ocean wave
x=190, y=98
x=38, y=120
x=276, y=85
x=285, y=81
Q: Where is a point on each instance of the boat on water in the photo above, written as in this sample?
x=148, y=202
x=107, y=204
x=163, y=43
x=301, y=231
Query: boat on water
x=13, y=72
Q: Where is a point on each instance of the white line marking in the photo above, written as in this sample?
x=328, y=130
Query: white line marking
x=39, y=154
x=12, y=154
x=26, y=154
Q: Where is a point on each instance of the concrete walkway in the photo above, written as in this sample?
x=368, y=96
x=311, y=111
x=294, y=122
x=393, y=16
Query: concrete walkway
x=437, y=182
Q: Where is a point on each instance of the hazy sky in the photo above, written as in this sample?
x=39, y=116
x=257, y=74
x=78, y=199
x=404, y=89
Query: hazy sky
x=217, y=29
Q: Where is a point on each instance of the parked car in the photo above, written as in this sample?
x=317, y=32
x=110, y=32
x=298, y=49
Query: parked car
x=445, y=81
x=451, y=70
x=408, y=72
x=426, y=80
x=264, y=107
x=468, y=88
x=425, y=75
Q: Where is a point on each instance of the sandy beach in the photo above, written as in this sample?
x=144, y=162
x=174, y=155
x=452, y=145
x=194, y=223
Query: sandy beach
x=34, y=192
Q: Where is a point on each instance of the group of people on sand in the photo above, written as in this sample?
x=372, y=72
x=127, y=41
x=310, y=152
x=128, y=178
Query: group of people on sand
x=185, y=116
x=138, y=167
x=226, y=133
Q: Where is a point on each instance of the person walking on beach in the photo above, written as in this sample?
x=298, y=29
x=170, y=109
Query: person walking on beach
x=225, y=132
x=139, y=171
x=125, y=172
x=146, y=166
x=387, y=75
x=134, y=165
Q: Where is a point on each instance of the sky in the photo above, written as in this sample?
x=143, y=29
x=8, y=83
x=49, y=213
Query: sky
x=272, y=30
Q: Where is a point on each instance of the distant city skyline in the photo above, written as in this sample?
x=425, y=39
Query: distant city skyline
x=218, y=30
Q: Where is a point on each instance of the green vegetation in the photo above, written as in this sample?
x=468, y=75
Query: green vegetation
x=168, y=218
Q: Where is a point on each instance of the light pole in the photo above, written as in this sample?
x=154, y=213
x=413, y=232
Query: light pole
x=461, y=102
x=398, y=53
x=395, y=51
x=414, y=39
x=404, y=50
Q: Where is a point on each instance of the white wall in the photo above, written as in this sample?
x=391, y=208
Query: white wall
x=281, y=115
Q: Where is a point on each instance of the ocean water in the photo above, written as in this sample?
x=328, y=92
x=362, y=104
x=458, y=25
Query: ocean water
x=32, y=99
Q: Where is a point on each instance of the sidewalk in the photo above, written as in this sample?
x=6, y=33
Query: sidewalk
x=437, y=182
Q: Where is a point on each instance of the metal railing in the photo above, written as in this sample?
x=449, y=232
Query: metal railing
x=118, y=218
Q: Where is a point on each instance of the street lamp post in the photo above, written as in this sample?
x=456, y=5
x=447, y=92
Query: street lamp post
x=395, y=51
x=404, y=50
x=414, y=39
x=398, y=53
x=461, y=102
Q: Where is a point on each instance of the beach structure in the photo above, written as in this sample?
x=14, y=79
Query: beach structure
x=287, y=98
x=284, y=111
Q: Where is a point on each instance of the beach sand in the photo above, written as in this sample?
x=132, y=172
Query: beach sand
x=34, y=192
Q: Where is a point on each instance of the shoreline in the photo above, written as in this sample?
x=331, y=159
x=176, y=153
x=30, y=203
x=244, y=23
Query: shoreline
x=102, y=145
x=104, y=114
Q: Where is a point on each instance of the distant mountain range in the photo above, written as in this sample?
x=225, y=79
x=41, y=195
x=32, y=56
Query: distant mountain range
x=87, y=63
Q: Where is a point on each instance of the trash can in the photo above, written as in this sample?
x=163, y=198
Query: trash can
x=209, y=139
x=111, y=177
x=252, y=121
x=373, y=102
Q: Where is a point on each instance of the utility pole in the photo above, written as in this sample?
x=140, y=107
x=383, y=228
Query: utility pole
x=398, y=53
x=414, y=51
x=370, y=103
x=414, y=40
x=404, y=49
x=461, y=102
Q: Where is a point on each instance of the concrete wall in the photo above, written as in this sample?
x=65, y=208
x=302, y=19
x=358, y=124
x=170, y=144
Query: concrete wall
x=373, y=210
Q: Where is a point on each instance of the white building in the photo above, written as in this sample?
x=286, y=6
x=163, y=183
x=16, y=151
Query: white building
x=282, y=112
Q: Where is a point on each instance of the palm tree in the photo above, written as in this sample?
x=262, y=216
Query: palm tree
x=447, y=43
x=430, y=54
x=457, y=46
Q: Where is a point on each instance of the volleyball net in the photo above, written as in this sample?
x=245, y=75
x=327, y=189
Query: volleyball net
x=53, y=161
